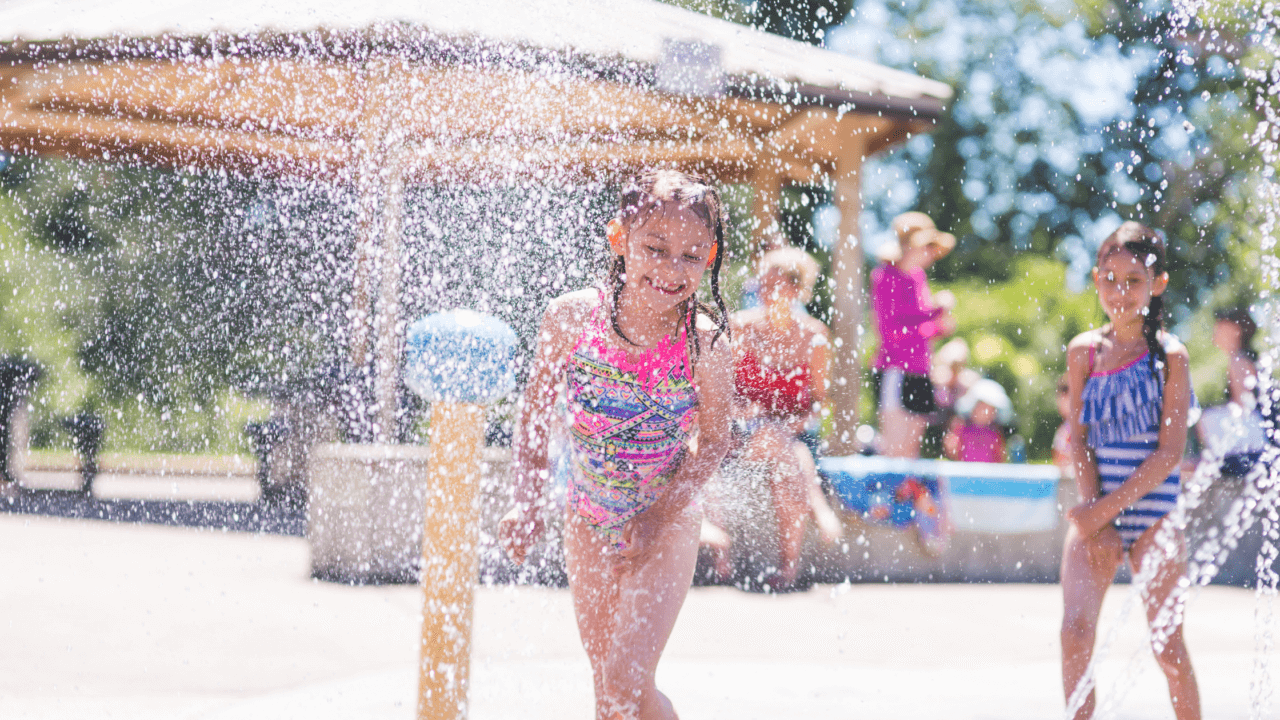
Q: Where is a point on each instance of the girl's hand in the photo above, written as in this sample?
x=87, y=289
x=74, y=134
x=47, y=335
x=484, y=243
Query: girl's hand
x=945, y=299
x=1079, y=516
x=1085, y=519
x=638, y=538
x=518, y=532
x=947, y=323
x=1105, y=546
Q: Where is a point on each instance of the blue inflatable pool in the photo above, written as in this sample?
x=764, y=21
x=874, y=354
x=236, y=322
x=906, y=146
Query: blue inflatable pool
x=979, y=497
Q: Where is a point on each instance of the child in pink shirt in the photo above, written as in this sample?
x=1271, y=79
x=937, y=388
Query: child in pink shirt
x=975, y=435
x=908, y=317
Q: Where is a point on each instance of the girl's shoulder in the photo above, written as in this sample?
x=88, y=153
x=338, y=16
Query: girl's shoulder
x=574, y=304
x=743, y=318
x=1087, y=339
x=1083, y=347
x=567, y=315
x=886, y=274
x=814, y=328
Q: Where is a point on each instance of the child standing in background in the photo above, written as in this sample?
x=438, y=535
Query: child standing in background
x=1129, y=384
x=908, y=317
x=1234, y=428
x=976, y=433
x=647, y=374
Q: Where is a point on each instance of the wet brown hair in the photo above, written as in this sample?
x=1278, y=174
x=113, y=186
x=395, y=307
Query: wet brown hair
x=650, y=192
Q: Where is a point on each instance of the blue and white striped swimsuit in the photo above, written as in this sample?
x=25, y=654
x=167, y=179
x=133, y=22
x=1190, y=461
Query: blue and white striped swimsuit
x=1121, y=413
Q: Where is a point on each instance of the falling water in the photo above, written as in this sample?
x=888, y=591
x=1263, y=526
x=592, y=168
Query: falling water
x=1258, y=498
x=507, y=246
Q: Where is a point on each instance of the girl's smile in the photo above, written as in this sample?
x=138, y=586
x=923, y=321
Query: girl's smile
x=663, y=289
x=1126, y=286
x=667, y=253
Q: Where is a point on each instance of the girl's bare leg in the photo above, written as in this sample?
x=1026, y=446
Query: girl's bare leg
x=592, y=584
x=901, y=433
x=771, y=445
x=1087, y=572
x=626, y=612
x=828, y=523
x=713, y=535
x=1173, y=658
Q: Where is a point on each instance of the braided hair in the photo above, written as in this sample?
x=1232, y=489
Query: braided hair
x=649, y=192
x=1148, y=247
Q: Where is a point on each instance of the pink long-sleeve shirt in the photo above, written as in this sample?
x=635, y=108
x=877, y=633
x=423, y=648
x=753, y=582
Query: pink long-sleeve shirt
x=906, y=317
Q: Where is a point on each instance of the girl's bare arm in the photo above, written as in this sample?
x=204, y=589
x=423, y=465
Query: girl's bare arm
x=819, y=371
x=820, y=364
x=1081, y=457
x=560, y=326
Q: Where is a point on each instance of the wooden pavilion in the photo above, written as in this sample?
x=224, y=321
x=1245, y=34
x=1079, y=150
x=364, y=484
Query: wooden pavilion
x=387, y=94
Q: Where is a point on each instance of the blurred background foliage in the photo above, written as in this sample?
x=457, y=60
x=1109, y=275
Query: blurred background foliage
x=1068, y=118
x=172, y=314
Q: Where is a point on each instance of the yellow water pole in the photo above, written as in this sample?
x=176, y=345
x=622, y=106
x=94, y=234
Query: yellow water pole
x=449, y=559
x=460, y=361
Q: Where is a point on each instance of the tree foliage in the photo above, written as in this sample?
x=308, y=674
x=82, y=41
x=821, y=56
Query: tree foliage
x=1068, y=117
x=804, y=20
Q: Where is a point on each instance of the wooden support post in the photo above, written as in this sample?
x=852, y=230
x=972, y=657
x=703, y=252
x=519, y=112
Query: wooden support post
x=369, y=160
x=766, y=180
x=450, y=560
x=389, y=345
x=848, y=306
x=376, y=333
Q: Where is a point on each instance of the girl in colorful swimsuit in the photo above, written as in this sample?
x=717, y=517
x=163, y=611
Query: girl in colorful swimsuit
x=1130, y=391
x=780, y=373
x=645, y=370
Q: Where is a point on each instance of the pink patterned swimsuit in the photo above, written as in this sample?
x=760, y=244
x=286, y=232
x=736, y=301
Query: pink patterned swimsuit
x=630, y=421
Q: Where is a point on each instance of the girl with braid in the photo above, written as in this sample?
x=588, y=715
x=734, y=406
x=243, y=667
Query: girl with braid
x=646, y=373
x=1129, y=387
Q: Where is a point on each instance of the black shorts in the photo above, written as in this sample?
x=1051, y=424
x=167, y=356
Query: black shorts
x=895, y=388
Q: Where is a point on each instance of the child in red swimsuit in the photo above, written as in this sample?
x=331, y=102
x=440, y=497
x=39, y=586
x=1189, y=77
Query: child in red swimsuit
x=780, y=370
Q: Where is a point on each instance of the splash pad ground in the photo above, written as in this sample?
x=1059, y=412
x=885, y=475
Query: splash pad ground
x=105, y=620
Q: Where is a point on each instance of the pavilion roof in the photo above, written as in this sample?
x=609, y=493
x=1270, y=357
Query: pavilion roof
x=628, y=37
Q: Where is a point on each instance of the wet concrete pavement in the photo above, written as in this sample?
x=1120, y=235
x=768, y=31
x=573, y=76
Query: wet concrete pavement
x=120, y=620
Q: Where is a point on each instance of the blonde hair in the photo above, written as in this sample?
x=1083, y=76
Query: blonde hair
x=793, y=260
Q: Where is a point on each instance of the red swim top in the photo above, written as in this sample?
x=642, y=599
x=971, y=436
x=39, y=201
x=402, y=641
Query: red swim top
x=780, y=391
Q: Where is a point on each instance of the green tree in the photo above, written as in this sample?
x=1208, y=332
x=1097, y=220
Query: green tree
x=804, y=20
x=1068, y=119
